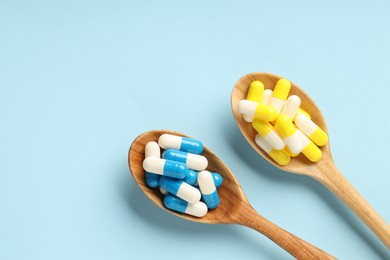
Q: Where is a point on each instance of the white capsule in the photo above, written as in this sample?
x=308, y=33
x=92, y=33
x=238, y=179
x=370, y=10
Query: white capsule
x=154, y=165
x=152, y=149
x=266, y=96
x=198, y=209
x=294, y=143
x=307, y=126
x=169, y=141
x=260, y=141
x=188, y=193
x=291, y=106
x=247, y=118
x=277, y=103
x=247, y=107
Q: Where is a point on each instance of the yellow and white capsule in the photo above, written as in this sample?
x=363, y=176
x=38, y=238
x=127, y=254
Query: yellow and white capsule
x=260, y=111
x=280, y=93
x=267, y=131
x=310, y=150
x=302, y=112
x=279, y=156
x=290, y=153
x=291, y=106
x=311, y=130
x=266, y=96
x=255, y=93
x=289, y=134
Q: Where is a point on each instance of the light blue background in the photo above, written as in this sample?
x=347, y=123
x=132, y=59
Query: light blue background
x=79, y=80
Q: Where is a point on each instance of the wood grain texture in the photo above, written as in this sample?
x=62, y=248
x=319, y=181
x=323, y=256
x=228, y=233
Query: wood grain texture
x=234, y=207
x=324, y=170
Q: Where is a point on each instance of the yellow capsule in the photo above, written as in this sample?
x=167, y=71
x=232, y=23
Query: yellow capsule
x=290, y=153
x=310, y=150
x=267, y=131
x=255, y=92
x=289, y=134
x=311, y=130
x=260, y=111
x=279, y=156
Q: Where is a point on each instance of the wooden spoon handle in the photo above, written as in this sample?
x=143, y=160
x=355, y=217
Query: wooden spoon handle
x=297, y=247
x=332, y=178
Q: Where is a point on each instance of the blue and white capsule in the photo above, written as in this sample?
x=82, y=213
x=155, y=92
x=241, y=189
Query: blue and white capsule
x=218, y=180
x=191, y=177
x=198, y=209
x=164, y=167
x=193, y=161
x=167, y=141
x=164, y=192
x=208, y=189
x=180, y=189
x=152, y=150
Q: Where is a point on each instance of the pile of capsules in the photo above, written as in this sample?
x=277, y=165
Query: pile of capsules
x=284, y=129
x=179, y=172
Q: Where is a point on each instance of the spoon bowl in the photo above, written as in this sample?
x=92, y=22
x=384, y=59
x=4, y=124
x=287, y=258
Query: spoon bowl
x=234, y=207
x=225, y=212
x=324, y=170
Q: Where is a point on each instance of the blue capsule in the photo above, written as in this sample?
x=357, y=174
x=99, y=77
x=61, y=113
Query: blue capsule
x=185, y=144
x=152, y=180
x=198, y=209
x=181, y=189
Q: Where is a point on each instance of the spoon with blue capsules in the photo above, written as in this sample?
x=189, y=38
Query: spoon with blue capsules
x=234, y=207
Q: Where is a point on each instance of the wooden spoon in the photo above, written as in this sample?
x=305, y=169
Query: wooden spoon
x=324, y=170
x=234, y=207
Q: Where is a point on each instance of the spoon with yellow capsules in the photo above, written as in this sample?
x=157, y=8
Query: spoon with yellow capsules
x=234, y=207
x=324, y=171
